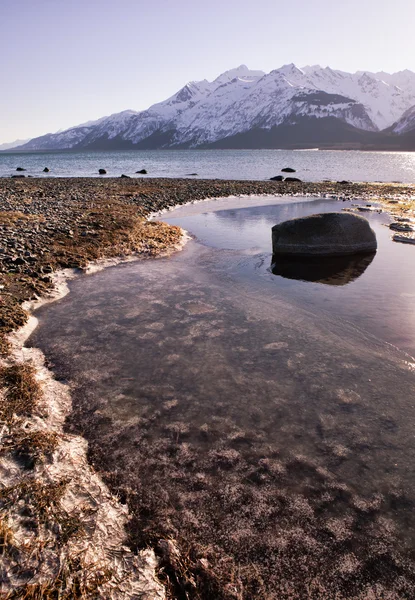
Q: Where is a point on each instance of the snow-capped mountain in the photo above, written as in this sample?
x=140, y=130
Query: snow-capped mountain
x=406, y=123
x=239, y=101
x=384, y=100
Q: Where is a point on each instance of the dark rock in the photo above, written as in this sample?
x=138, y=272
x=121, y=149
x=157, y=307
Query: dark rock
x=46, y=170
x=125, y=176
x=292, y=179
x=287, y=170
x=327, y=234
x=142, y=172
x=344, y=182
x=18, y=176
x=190, y=174
x=20, y=169
x=102, y=171
x=277, y=178
x=403, y=239
x=401, y=226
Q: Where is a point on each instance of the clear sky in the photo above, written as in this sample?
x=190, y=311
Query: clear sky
x=63, y=62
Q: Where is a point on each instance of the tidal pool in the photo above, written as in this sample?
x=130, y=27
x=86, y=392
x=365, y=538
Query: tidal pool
x=263, y=421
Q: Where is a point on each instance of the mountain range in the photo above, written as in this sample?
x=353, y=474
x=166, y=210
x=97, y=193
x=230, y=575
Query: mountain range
x=286, y=108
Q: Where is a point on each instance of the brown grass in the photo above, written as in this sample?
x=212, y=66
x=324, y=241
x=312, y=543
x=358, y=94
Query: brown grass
x=11, y=217
x=23, y=392
x=31, y=446
x=76, y=580
x=5, y=346
x=6, y=535
x=41, y=500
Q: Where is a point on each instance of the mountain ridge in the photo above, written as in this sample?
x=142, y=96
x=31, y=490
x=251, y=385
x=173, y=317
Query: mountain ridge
x=240, y=101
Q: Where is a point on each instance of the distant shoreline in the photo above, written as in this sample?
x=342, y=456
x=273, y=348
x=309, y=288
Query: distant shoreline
x=334, y=147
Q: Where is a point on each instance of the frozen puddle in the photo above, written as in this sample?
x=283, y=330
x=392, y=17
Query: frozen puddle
x=268, y=418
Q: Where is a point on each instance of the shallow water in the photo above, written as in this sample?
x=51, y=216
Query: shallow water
x=376, y=293
x=218, y=164
x=262, y=414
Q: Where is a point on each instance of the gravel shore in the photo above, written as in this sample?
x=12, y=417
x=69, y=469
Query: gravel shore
x=51, y=224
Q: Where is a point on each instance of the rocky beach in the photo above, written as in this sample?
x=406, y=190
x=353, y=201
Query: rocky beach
x=54, y=521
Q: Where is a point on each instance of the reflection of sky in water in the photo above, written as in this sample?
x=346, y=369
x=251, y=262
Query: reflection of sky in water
x=381, y=300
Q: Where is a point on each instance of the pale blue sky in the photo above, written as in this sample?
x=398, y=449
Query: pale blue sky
x=68, y=61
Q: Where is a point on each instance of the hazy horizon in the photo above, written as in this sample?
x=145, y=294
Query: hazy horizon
x=72, y=63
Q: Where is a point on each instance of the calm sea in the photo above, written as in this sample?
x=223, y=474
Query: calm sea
x=310, y=165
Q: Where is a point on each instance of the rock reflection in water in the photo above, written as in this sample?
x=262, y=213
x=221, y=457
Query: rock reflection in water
x=333, y=270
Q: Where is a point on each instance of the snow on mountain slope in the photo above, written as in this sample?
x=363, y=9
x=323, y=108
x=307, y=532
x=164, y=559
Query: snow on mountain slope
x=70, y=138
x=204, y=112
x=405, y=80
x=406, y=122
x=384, y=101
x=242, y=71
x=265, y=102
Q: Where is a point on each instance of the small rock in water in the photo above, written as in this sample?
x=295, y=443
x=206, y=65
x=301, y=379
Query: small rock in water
x=292, y=180
x=401, y=227
x=18, y=176
x=190, y=174
x=369, y=209
x=102, y=172
x=287, y=170
x=142, y=172
x=277, y=178
x=46, y=170
x=404, y=239
x=20, y=169
x=125, y=176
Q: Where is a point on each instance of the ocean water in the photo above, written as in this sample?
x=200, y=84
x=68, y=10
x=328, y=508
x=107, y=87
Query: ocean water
x=310, y=165
x=249, y=410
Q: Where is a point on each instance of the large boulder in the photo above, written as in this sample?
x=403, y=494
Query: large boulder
x=326, y=234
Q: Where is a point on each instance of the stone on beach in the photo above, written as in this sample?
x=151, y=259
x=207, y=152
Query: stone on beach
x=102, y=171
x=287, y=170
x=326, y=234
x=292, y=180
x=20, y=169
x=277, y=178
x=142, y=172
x=46, y=170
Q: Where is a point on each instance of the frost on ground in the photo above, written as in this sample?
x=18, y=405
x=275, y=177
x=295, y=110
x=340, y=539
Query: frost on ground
x=61, y=530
